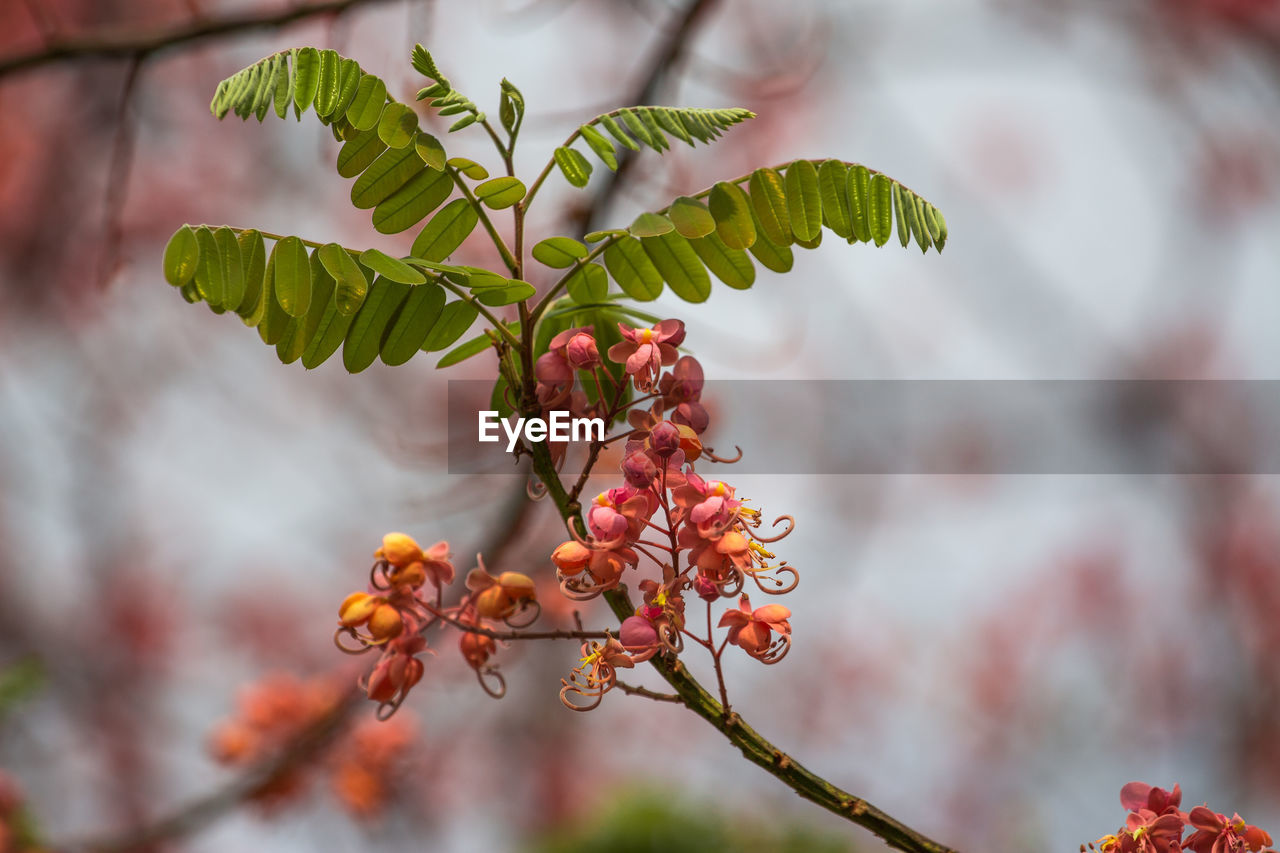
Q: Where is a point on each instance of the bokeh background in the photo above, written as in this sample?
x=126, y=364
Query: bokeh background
x=988, y=657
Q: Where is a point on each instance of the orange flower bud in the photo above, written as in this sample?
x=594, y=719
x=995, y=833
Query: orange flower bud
x=357, y=607
x=571, y=557
x=399, y=550
x=519, y=587
x=494, y=603
x=385, y=623
x=414, y=575
x=476, y=648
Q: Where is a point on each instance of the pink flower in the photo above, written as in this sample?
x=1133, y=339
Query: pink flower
x=638, y=469
x=555, y=366
x=682, y=390
x=637, y=634
x=1139, y=795
x=1215, y=834
x=643, y=352
x=753, y=630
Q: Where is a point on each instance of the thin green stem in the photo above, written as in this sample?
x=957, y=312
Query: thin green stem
x=470, y=299
x=498, y=242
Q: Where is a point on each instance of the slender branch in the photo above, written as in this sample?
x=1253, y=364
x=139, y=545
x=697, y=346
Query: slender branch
x=129, y=43
x=507, y=258
x=632, y=690
x=754, y=746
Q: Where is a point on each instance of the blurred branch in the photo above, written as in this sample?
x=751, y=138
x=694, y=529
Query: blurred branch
x=199, y=813
x=129, y=43
x=668, y=53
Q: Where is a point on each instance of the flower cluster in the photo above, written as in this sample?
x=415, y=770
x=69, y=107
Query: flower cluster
x=1156, y=824
x=696, y=532
x=405, y=598
x=362, y=764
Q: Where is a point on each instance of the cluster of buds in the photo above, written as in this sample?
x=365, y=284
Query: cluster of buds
x=362, y=763
x=1156, y=824
x=696, y=531
x=405, y=598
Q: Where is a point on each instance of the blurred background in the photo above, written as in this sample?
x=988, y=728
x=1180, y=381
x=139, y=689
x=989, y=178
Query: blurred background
x=986, y=656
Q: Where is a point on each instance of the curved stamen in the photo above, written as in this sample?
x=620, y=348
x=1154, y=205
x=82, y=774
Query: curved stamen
x=568, y=688
x=524, y=605
x=535, y=489
x=710, y=454
x=350, y=650
x=791, y=525
x=497, y=691
x=778, y=588
x=378, y=575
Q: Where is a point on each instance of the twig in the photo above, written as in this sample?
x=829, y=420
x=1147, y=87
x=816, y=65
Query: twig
x=632, y=690
x=128, y=43
x=119, y=170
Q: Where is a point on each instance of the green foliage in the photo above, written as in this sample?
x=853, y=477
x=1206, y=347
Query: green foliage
x=643, y=126
x=309, y=300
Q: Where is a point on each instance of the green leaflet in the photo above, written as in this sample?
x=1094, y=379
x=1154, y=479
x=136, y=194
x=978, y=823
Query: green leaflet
x=769, y=204
x=588, y=283
x=446, y=231
x=640, y=131
x=904, y=232
x=364, y=338
x=349, y=75
x=576, y=169
x=430, y=150
x=181, y=255
x=732, y=266
x=470, y=168
x=454, y=321
x=880, y=209
x=558, y=252
x=691, y=217
x=274, y=322
x=732, y=211
x=632, y=269
x=393, y=269
x=858, y=189
x=232, y=269
x=253, y=257
x=510, y=107
x=351, y=284
x=508, y=294
x=602, y=147
x=264, y=98
x=306, y=78
x=611, y=126
x=292, y=282
x=209, y=278
x=358, y=152
x=597, y=236
x=650, y=225
x=328, y=83
x=299, y=334
x=772, y=256
x=501, y=193
x=915, y=218
x=835, y=197
x=410, y=204
x=941, y=240
x=804, y=202
x=330, y=332
x=414, y=321
x=679, y=264
x=366, y=106
x=397, y=125
x=391, y=170
x=283, y=93
x=468, y=349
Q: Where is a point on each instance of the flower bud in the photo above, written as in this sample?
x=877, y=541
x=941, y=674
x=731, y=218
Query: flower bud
x=581, y=352
x=476, y=648
x=665, y=438
x=385, y=623
x=357, y=608
x=706, y=588
x=399, y=550
x=519, y=587
x=638, y=469
x=637, y=634
x=571, y=557
x=413, y=575
x=494, y=603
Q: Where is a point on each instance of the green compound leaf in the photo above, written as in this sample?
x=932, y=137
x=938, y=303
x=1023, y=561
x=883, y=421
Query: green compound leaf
x=558, y=252
x=414, y=321
x=372, y=323
x=691, y=217
x=732, y=211
x=292, y=282
x=632, y=269
x=804, y=201
x=501, y=193
x=351, y=285
x=181, y=255
x=455, y=319
x=391, y=268
x=574, y=167
x=679, y=264
x=446, y=231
